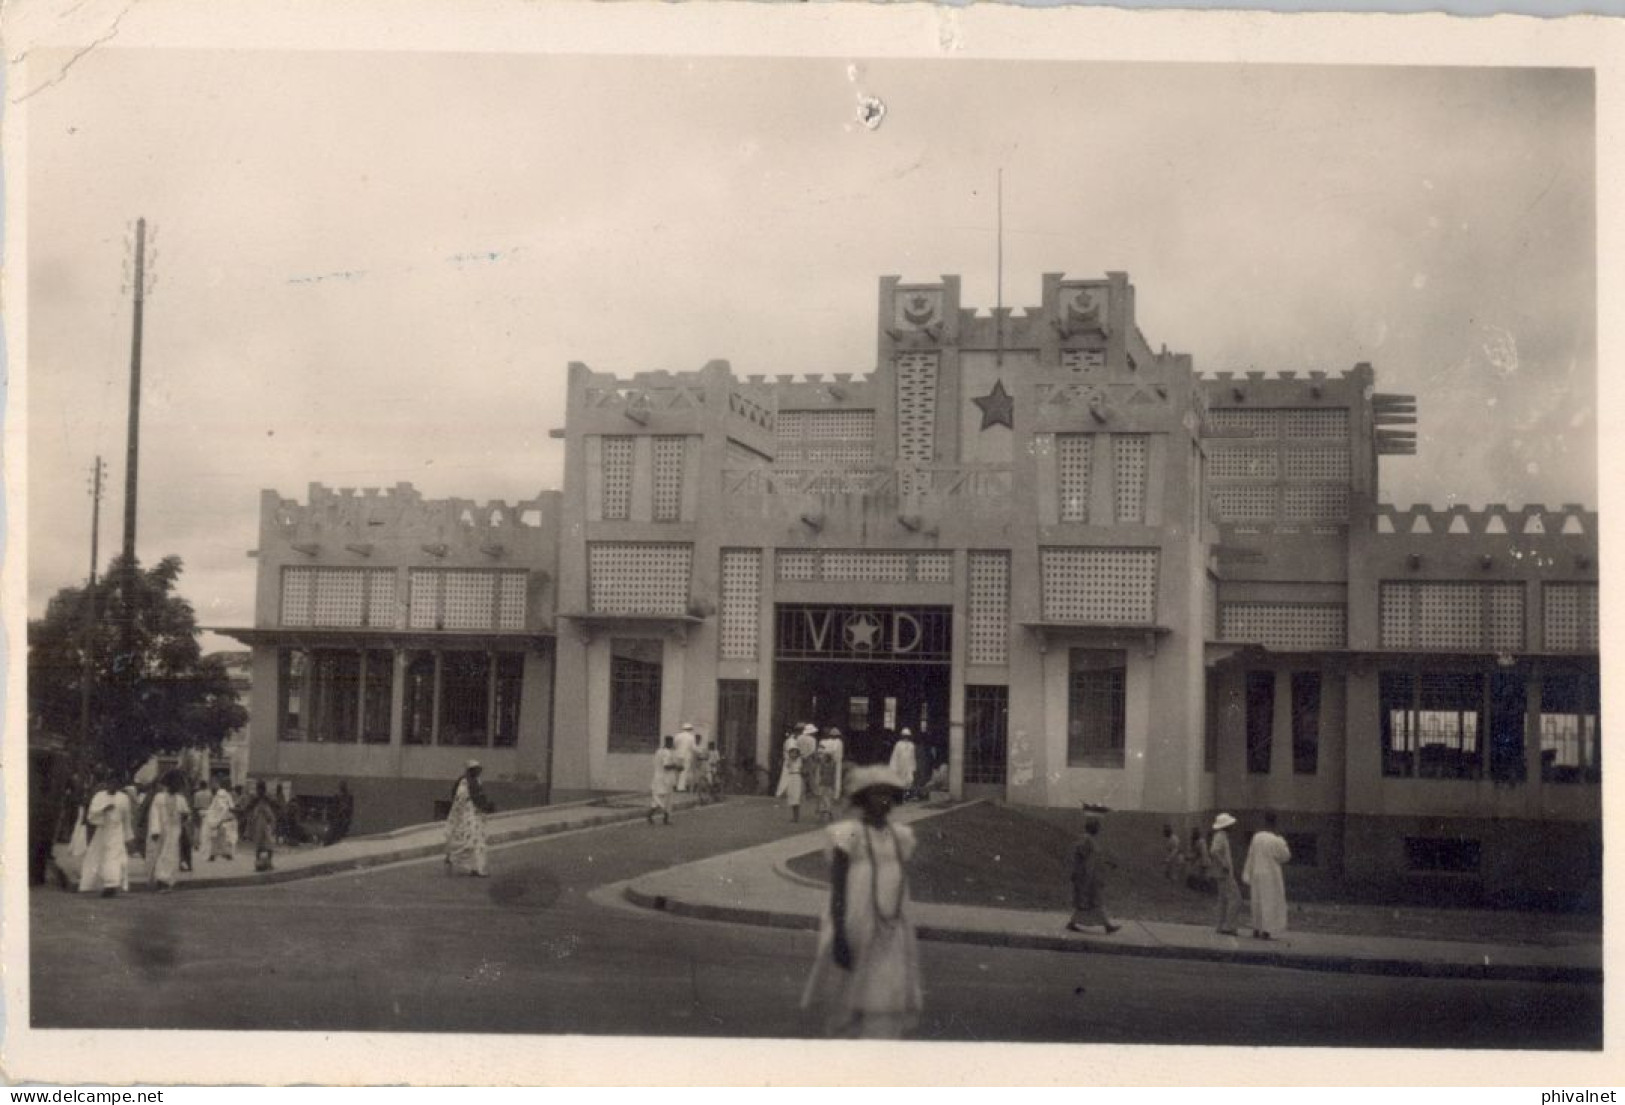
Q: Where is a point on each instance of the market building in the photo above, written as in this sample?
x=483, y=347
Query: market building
x=1077, y=569
x=1080, y=572
x=397, y=637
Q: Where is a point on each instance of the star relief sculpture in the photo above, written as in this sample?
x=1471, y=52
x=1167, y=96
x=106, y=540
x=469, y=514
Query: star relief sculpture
x=998, y=407
x=861, y=632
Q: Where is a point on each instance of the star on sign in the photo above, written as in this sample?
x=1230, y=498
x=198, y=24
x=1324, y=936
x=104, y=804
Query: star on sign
x=861, y=631
x=998, y=407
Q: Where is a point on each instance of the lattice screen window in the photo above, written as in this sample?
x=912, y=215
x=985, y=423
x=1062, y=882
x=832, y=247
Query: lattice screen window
x=1332, y=425
x=1083, y=360
x=1128, y=472
x=616, y=473
x=864, y=567
x=1317, y=502
x=798, y=567
x=933, y=567
x=626, y=578
x=1074, y=452
x=1286, y=626
x=381, y=599
x=1397, y=614
x=424, y=603
x=511, y=610
x=1452, y=615
x=1242, y=420
x=988, y=609
x=1249, y=463
x=839, y=425
x=668, y=481
x=297, y=585
x=790, y=425
x=916, y=407
x=741, y=602
x=340, y=596
x=1571, y=617
x=850, y=453
x=1245, y=502
x=1506, y=616
x=1317, y=464
x=1112, y=586
x=1449, y=615
x=470, y=600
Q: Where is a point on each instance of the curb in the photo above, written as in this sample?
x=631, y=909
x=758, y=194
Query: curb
x=1341, y=964
x=611, y=815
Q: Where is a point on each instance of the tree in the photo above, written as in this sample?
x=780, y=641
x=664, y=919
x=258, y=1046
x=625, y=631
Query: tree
x=153, y=689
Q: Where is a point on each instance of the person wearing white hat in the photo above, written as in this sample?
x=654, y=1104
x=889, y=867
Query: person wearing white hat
x=666, y=767
x=904, y=764
x=1224, y=873
x=683, y=745
x=807, y=741
x=866, y=976
x=833, y=746
x=465, y=825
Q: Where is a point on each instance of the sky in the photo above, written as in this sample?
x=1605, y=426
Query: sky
x=374, y=268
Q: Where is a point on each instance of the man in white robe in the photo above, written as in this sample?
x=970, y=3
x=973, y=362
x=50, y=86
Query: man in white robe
x=106, y=864
x=683, y=743
x=663, y=780
x=1265, y=858
x=904, y=764
x=834, y=747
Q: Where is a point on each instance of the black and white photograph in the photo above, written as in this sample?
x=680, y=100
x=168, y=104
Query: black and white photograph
x=606, y=544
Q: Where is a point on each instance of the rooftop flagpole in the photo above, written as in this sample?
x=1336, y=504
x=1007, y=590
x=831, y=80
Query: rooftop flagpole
x=998, y=313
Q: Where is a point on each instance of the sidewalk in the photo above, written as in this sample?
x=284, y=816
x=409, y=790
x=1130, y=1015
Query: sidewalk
x=756, y=887
x=411, y=842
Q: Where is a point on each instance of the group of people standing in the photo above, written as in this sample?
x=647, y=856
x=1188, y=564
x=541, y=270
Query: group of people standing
x=172, y=822
x=812, y=765
x=1208, y=866
x=683, y=763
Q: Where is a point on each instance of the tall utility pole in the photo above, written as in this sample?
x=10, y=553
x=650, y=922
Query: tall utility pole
x=133, y=444
x=998, y=310
x=89, y=676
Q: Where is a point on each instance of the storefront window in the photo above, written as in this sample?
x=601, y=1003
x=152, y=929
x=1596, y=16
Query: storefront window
x=378, y=685
x=1570, y=733
x=291, y=705
x=510, y=677
x=335, y=696
x=1305, y=722
x=465, y=698
x=1432, y=724
x=417, y=726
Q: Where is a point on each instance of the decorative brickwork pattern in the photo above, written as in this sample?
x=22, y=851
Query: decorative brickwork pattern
x=1245, y=421
x=934, y=567
x=1317, y=502
x=1083, y=360
x=988, y=609
x=1327, y=425
x=916, y=407
x=470, y=600
x=1243, y=463
x=798, y=567
x=668, y=481
x=629, y=578
x=616, y=466
x=1317, y=464
x=297, y=585
x=511, y=614
x=1570, y=619
x=1128, y=472
x=1452, y=616
x=741, y=602
x=1073, y=454
x=1099, y=586
x=1245, y=502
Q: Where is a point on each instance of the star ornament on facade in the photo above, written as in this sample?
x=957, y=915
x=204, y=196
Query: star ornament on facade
x=998, y=407
x=861, y=632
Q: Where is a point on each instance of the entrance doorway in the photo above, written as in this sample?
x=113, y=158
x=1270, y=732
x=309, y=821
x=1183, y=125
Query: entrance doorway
x=869, y=671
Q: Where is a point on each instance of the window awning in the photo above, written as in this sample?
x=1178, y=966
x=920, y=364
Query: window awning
x=1096, y=635
x=313, y=637
x=590, y=625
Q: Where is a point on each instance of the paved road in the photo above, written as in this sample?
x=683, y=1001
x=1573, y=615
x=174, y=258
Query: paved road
x=411, y=949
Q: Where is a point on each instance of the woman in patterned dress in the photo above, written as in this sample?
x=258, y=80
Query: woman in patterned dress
x=465, y=827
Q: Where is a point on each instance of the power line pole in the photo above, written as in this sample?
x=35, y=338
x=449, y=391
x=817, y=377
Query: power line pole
x=133, y=439
x=89, y=654
x=998, y=310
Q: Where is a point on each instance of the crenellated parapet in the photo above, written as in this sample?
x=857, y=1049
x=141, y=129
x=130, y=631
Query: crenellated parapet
x=1534, y=520
x=357, y=525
